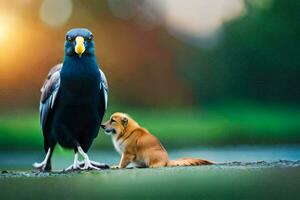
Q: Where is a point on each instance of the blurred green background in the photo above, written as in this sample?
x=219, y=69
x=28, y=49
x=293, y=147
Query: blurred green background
x=198, y=73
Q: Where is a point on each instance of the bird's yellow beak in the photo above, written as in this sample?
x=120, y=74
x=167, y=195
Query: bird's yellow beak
x=79, y=47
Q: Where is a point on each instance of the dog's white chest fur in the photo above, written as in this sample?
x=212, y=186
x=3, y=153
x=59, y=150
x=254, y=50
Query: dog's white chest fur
x=119, y=148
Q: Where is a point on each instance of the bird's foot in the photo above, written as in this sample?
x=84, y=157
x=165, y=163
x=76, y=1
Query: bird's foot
x=88, y=165
x=92, y=166
x=45, y=165
x=41, y=166
x=100, y=165
x=73, y=167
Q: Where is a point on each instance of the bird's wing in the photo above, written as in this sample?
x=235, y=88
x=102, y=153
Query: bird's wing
x=49, y=92
x=104, y=87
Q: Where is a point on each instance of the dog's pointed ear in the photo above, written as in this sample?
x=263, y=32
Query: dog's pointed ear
x=125, y=121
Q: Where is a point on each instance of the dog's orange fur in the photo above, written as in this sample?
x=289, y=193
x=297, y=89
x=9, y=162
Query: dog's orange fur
x=139, y=147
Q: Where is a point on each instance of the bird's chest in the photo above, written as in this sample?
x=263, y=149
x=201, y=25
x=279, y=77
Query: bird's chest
x=78, y=103
x=80, y=81
x=80, y=84
x=79, y=91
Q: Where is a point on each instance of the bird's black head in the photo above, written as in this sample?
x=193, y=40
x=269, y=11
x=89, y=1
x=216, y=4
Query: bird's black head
x=79, y=42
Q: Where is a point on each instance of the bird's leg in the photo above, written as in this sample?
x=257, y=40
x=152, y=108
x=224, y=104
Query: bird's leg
x=45, y=164
x=87, y=163
x=75, y=165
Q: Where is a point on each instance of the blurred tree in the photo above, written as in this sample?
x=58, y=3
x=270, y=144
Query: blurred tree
x=258, y=58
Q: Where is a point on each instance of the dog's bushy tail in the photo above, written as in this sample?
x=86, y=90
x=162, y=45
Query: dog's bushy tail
x=188, y=162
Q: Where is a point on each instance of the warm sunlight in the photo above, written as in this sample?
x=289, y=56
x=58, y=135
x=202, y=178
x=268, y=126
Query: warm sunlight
x=6, y=27
x=10, y=46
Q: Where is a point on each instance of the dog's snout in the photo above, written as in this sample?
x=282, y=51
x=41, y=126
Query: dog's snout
x=102, y=126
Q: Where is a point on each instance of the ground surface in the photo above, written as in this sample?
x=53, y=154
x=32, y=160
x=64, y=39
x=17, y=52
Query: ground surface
x=219, y=166
x=244, y=172
x=229, y=181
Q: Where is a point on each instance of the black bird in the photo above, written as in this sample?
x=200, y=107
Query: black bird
x=73, y=101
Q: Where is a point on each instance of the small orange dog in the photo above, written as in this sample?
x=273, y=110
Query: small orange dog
x=139, y=147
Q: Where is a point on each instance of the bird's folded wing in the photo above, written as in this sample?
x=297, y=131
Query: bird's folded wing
x=104, y=87
x=49, y=92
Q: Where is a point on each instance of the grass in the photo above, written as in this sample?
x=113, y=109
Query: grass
x=215, y=125
x=168, y=183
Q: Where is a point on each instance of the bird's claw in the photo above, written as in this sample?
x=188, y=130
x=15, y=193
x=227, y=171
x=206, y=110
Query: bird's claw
x=92, y=165
x=41, y=166
x=73, y=168
x=45, y=165
x=89, y=166
x=100, y=165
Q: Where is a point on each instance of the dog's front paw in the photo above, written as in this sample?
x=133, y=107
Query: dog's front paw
x=115, y=167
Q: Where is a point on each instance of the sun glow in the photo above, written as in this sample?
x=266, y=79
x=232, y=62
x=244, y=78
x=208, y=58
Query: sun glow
x=8, y=49
x=6, y=27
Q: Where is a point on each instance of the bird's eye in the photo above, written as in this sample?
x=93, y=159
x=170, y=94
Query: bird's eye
x=90, y=38
x=69, y=38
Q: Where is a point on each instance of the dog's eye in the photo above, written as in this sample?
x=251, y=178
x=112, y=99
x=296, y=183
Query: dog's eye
x=112, y=120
